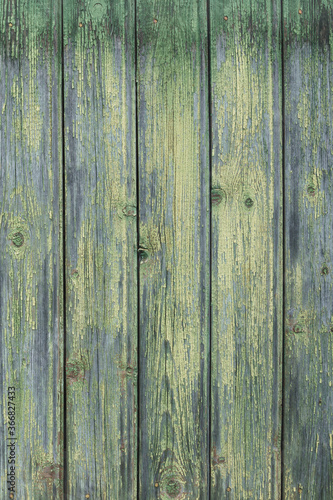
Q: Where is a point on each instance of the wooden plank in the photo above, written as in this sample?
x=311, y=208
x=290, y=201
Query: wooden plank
x=308, y=395
x=101, y=255
x=31, y=340
x=174, y=248
x=246, y=249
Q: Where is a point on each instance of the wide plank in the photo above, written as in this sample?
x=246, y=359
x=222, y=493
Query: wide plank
x=101, y=249
x=246, y=199
x=308, y=355
x=31, y=320
x=173, y=161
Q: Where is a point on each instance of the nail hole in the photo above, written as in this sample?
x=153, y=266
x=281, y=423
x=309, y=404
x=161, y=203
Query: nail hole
x=18, y=239
x=320, y=401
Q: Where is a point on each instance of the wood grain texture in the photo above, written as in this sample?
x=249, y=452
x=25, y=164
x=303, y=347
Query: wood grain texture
x=308, y=409
x=246, y=249
x=31, y=340
x=174, y=248
x=101, y=249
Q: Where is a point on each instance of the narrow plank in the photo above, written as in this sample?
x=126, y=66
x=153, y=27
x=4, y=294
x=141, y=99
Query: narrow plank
x=174, y=248
x=246, y=249
x=308, y=357
x=31, y=340
x=101, y=249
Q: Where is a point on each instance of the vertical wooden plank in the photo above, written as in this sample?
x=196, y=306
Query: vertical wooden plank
x=31, y=339
x=174, y=248
x=308, y=357
x=101, y=248
x=246, y=249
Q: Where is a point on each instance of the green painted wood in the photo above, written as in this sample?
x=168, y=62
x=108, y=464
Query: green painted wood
x=173, y=164
x=246, y=249
x=308, y=355
x=31, y=340
x=101, y=249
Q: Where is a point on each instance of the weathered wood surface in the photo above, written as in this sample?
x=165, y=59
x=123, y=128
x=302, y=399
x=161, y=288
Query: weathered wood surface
x=308, y=355
x=246, y=249
x=31, y=336
x=173, y=159
x=204, y=234
x=101, y=249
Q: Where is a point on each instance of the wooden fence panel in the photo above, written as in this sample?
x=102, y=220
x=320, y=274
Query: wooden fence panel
x=246, y=249
x=174, y=248
x=308, y=354
x=31, y=331
x=101, y=249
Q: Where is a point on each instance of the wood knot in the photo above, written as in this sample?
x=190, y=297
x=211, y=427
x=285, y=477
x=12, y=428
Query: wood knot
x=17, y=239
x=173, y=488
x=228, y=489
x=129, y=211
x=249, y=202
x=298, y=328
x=143, y=255
x=311, y=191
x=217, y=196
x=324, y=270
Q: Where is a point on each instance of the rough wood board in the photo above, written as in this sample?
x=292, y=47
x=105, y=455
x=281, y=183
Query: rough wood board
x=308, y=395
x=174, y=248
x=101, y=249
x=31, y=338
x=246, y=249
